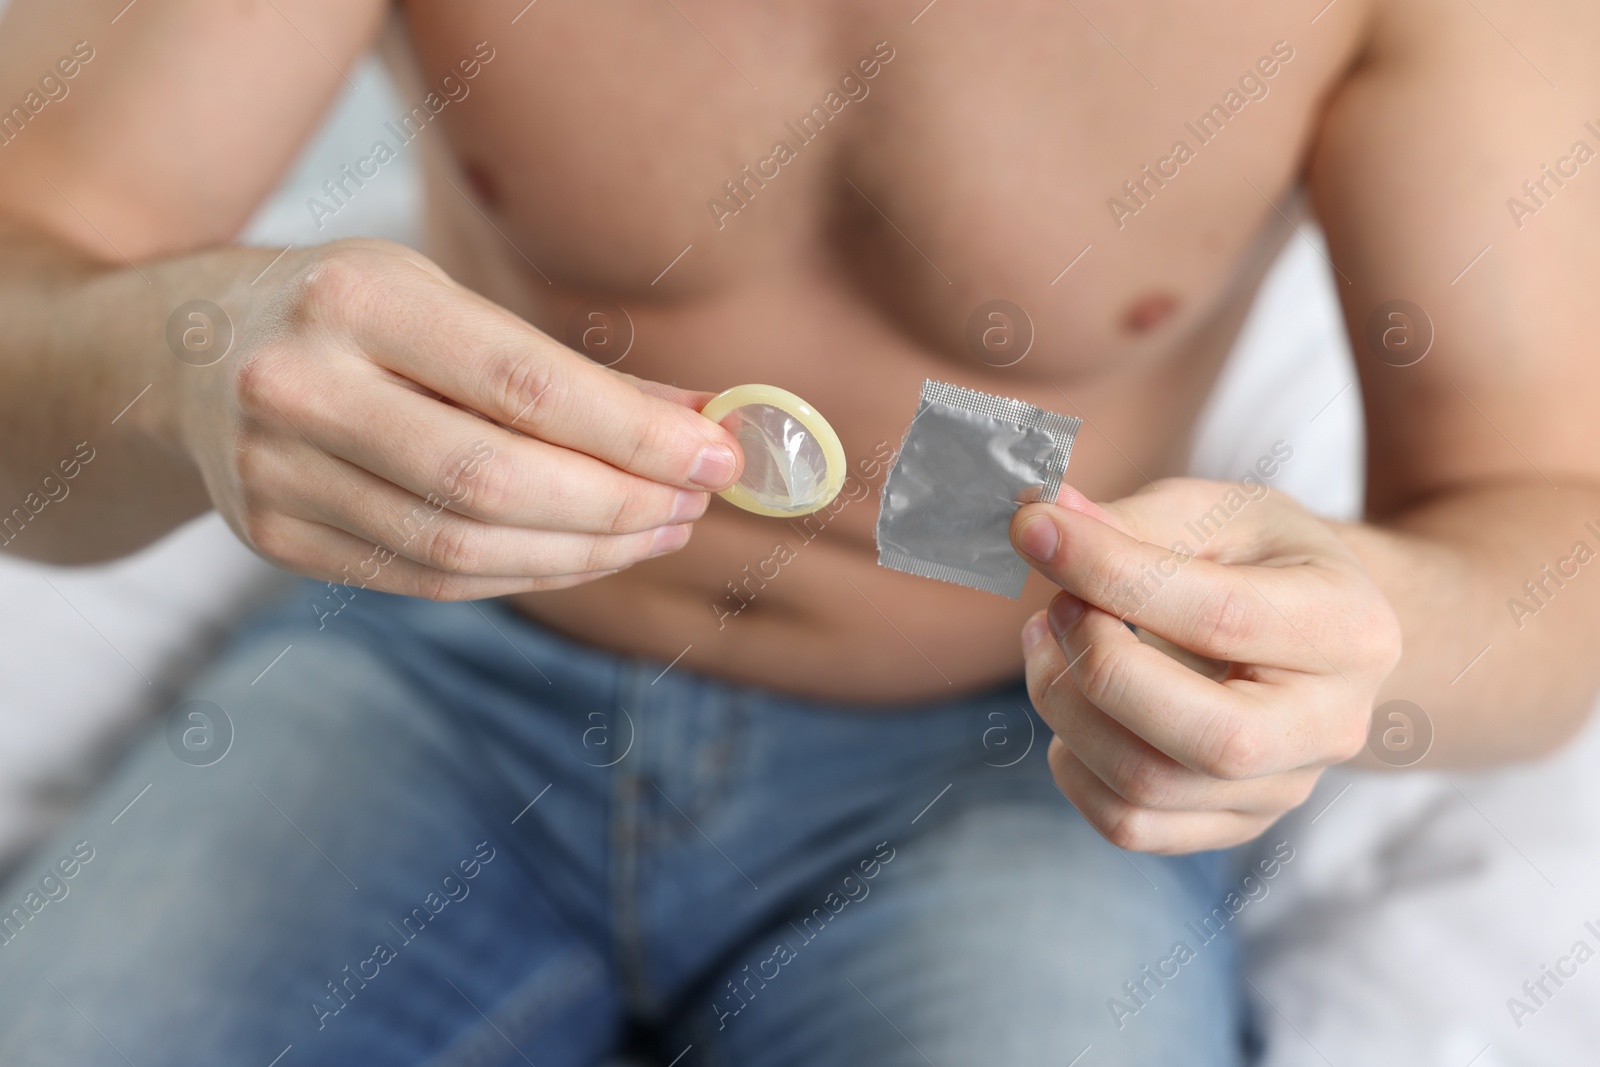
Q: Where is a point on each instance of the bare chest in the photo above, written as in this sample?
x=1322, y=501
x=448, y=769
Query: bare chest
x=1103, y=168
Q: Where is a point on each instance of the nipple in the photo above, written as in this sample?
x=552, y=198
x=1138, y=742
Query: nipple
x=1148, y=312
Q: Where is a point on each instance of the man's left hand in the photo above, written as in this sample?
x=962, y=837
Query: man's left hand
x=1157, y=755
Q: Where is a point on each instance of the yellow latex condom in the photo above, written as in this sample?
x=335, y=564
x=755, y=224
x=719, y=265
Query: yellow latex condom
x=793, y=461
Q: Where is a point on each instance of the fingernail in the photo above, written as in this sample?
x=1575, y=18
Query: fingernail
x=687, y=505
x=1038, y=538
x=669, y=539
x=1065, y=610
x=713, y=467
x=1034, y=631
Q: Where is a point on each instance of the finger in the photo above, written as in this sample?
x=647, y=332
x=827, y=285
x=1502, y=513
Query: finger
x=467, y=348
x=1217, y=610
x=1216, y=729
x=1147, y=777
x=1226, y=522
x=1138, y=829
x=344, y=496
x=693, y=399
x=486, y=472
x=332, y=555
x=1070, y=498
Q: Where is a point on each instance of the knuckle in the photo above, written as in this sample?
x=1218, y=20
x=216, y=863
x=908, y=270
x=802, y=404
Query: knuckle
x=1143, y=780
x=1047, y=689
x=1236, y=753
x=455, y=547
x=1039, y=686
x=1129, y=827
x=251, y=466
x=1226, y=622
x=641, y=507
x=340, y=280
x=651, y=437
x=469, y=481
x=1113, y=581
x=275, y=390
x=1103, y=582
x=1101, y=674
x=525, y=386
x=622, y=515
x=265, y=533
x=438, y=586
x=338, y=277
x=260, y=384
x=605, y=552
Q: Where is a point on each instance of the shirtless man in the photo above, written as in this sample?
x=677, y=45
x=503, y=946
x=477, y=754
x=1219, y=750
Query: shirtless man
x=610, y=804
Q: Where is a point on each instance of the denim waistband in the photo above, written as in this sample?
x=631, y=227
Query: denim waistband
x=553, y=659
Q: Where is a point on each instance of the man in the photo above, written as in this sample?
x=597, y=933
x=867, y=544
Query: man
x=747, y=798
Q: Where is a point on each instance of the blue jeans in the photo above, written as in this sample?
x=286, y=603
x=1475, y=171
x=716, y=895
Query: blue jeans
x=440, y=834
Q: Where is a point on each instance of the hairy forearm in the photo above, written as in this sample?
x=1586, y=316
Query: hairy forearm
x=1499, y=682
x=91, y=463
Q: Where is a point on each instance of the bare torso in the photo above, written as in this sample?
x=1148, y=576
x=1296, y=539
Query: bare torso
x=977, y=166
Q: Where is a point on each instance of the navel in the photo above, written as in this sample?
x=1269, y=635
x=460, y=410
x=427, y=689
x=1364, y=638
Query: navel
x=1148, y=312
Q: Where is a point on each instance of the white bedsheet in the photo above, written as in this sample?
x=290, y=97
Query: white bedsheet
x=1415, y=905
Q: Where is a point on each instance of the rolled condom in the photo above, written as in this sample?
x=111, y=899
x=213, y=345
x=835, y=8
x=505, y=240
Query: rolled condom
x=793, y=461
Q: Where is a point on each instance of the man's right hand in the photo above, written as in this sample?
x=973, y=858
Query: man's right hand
x=377, y=424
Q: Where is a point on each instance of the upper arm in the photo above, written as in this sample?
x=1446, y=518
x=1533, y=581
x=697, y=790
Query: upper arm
x=178, y=118
x=1419, y=154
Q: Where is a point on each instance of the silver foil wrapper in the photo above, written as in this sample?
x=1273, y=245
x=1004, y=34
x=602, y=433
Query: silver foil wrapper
x=948, y=501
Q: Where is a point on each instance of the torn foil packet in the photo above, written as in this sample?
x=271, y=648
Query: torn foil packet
x=966, y=458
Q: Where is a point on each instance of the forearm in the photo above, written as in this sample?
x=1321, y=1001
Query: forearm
x=1499, y=682
x=91, y=459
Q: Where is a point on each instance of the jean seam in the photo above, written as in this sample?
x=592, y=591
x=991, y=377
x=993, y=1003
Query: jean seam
x=625, y=838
